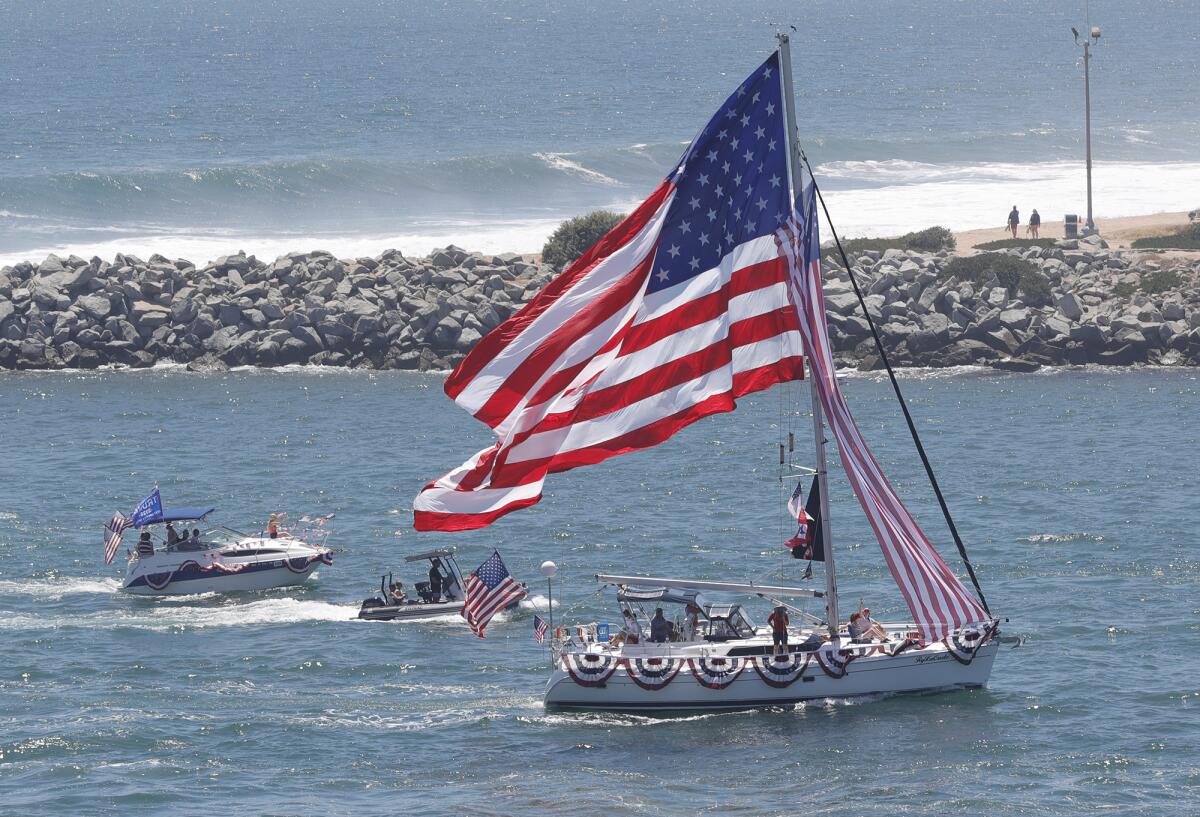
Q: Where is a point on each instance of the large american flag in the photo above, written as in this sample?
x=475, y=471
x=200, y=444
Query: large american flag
x=113, y=532
x=489, y=590
x=679, y=310
x=939, y=602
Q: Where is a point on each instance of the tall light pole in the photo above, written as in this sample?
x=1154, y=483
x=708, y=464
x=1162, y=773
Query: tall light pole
x=1093, y=36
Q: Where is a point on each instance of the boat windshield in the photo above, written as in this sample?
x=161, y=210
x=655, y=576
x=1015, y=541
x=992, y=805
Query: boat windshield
x=727, y=621
x=221, y=537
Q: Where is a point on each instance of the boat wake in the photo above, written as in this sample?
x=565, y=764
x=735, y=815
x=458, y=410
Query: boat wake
x=183, y=617
x=57, y=588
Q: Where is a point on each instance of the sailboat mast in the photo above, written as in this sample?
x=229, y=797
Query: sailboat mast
x=794, y=166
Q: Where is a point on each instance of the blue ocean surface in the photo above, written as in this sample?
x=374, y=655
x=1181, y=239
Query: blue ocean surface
x=195, y=129
x=1073, y=490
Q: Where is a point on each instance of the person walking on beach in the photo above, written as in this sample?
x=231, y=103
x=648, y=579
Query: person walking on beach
x=1035, y=221
x=1014, y=218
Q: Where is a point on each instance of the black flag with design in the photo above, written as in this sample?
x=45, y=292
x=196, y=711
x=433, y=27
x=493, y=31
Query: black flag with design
x=814, y=549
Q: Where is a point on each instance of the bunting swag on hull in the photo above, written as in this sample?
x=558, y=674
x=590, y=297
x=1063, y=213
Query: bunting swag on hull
x=710, y=290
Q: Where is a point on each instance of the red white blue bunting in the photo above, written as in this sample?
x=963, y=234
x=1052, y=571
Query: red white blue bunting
x=835, y=663
x=964, y=644
x=716, y=673
x=590, y=669
x=651, y=673
x=300, y=564
x=781, y=671
x=158, y=581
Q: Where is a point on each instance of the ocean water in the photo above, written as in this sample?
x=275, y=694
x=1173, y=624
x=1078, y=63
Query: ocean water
x=197, y=129
x=1073, y=489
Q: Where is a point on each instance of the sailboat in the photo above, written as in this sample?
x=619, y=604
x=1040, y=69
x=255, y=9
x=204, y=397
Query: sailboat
x=710, y=290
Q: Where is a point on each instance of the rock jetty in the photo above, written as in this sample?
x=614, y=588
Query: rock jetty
x=388, y=312
x=393, y=312
x=1094, y=307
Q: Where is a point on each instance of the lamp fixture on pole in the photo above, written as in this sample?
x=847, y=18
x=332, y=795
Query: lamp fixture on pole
x=1089, y=40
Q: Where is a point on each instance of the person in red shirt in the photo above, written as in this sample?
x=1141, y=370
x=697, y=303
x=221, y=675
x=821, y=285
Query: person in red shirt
x=779, y=629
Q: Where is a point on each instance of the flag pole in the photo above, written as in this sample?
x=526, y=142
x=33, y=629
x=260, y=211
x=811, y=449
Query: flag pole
x=794, y=165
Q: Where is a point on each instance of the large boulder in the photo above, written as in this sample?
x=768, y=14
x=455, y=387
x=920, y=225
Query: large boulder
x=1069, y=305
x=147, y=315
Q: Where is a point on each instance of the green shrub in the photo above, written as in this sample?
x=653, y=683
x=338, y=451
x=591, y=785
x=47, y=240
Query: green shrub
x=1124, y=290
x=576, y=236
x=1163, y=280
x=1187, y=238
x=1034, y=287
x=1006, y=243
x=931, y=239
x=1013, y=273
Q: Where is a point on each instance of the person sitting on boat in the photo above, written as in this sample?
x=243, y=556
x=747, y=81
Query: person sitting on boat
x=195, y=536
x=397, y=594
x=272, y=527
x=172, y=536
x=660, y=628
x=631, y=631
x=144, y=546
x=184, y=540
x=779, y=629
x=858, y=627
x=873, y=628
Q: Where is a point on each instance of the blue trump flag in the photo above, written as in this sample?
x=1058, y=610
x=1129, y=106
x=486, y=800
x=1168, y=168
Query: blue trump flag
x=148, y=511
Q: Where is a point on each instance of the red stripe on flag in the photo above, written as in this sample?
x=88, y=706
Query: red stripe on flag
x=515, y=387
x=432, y=520
x=495, y=341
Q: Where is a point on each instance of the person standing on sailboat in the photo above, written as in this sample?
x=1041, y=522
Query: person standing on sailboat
x=779, y=630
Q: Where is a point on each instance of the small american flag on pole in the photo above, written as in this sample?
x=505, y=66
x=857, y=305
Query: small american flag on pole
x=112, y=535
x=539, y=629
x=489, y=590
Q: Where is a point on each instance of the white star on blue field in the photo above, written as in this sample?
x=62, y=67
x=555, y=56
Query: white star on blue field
x=731, y=185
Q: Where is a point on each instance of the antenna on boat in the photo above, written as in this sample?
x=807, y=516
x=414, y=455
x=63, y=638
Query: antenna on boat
x=796, y=178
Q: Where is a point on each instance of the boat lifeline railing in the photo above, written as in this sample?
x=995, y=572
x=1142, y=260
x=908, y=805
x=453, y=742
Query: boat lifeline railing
x=751, y=588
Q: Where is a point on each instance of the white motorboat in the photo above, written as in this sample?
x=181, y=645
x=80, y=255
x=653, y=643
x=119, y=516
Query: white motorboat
x=728, y=662
x=218, y=560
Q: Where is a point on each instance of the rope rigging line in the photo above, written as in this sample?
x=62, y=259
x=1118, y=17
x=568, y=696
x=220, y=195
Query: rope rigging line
x=912, y=428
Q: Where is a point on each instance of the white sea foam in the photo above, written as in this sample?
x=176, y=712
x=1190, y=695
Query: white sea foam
x=871, y=198
x=536, y=602
x=201, y=247
x=559, y=161
x=893, y=197
x=57, y=588
x=172, y=615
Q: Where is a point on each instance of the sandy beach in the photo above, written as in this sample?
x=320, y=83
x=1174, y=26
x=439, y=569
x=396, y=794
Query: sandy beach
x=1118, y=232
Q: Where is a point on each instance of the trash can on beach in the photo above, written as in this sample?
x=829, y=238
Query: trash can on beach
x=1071, y=225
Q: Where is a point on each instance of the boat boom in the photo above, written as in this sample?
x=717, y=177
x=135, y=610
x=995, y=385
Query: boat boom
x=690, y=584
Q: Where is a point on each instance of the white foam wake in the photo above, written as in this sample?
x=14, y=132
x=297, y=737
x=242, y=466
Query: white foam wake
x=57, y=588
x=173, y=614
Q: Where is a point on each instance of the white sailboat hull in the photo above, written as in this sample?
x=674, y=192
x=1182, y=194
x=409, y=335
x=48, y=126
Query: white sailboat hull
x=932, y=668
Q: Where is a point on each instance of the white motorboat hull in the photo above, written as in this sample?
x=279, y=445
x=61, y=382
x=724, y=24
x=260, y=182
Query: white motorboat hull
x=172, y=573
x=931, y=668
